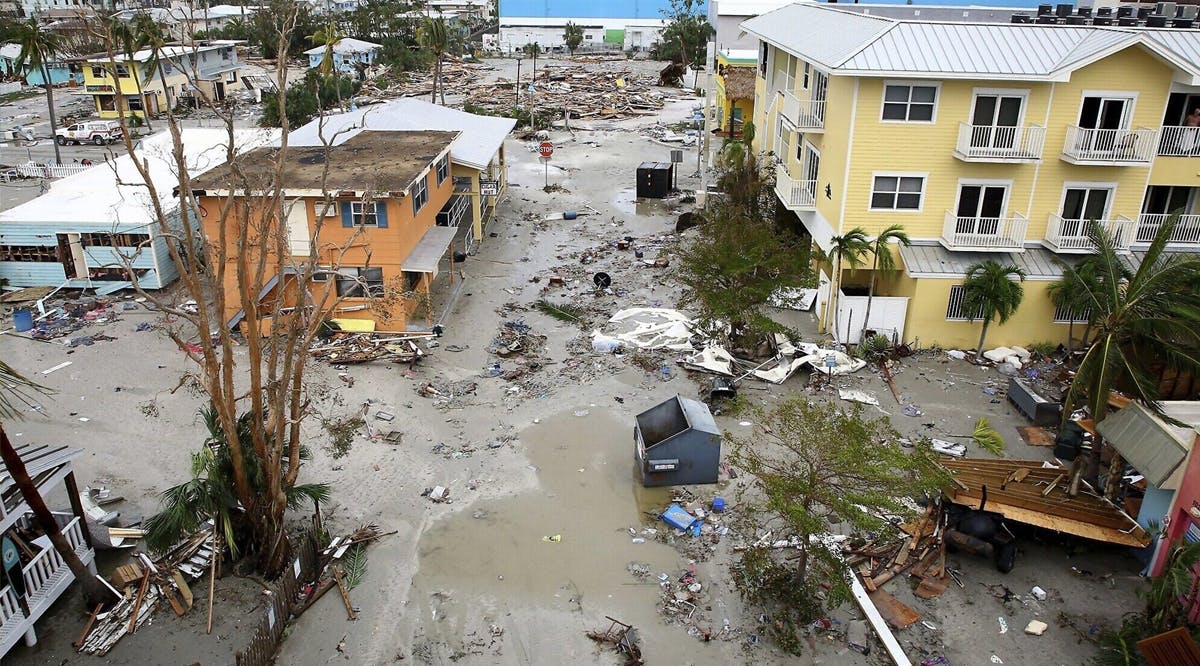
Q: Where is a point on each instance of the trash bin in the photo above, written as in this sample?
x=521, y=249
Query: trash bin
x=22, y=319
x=676, y=443
x=654, y=180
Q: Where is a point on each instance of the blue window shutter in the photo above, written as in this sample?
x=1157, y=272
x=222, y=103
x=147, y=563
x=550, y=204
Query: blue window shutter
x=381, y=214
x=347, y=215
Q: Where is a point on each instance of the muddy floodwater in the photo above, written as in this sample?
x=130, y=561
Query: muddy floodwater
x=503, y=563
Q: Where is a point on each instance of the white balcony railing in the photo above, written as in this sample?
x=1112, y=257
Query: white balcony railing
x=1110, y=146
x=1179, y=141
x=805, y=114
x=10, y=607
x=988, y=143
x=1186, y=231
x=795, y=194
x=984, y=233
x=1072, y=235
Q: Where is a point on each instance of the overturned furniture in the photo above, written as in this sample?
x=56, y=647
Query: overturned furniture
x=676, y=443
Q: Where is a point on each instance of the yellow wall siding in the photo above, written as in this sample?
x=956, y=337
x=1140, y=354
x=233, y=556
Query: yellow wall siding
x=928, y=298
x=1180, y=171
x=1132, y=69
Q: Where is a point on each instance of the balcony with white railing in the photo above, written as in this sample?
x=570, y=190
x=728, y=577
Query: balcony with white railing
x=807, y=115
x=796, y=195
x=993, y=143
x=1071, y=236
x=1186, y=232
x=46, y=577
x=1179, y=141
x=1110, y=147
x=984, y=234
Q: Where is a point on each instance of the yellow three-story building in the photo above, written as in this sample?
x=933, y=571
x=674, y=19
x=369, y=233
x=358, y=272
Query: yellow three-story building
x=984, y=141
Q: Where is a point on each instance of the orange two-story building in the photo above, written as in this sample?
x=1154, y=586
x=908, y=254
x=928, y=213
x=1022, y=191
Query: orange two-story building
x=362, y=214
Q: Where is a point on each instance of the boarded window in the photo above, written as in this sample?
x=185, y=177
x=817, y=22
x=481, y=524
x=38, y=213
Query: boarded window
x=39, y=253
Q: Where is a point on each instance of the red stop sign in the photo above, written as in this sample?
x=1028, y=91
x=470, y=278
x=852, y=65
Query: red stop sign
x=546, y=149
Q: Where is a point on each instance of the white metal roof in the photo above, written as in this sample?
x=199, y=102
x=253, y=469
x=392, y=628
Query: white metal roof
x=429, y=251
x=347, y=45
x=746, y=7
x=171, y=51
x=846, y=42
x=10, y=51
x=479, y=139
x=113, y=192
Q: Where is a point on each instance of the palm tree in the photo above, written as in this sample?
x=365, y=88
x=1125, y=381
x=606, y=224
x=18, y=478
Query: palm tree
x=572, y=36
x=851, y=247
x=210, y=493
x=131, y=39
x=434, y=36
x=882, y=260
x=1142, y=318
x=15, y=389
x=991, y=291
x=40, y=47
x=328, y=37
x=1072, y=294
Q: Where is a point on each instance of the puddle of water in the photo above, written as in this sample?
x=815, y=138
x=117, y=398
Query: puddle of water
x=626, y=201
x=490, y=559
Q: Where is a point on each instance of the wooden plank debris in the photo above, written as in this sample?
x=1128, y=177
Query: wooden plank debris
x=897, y=614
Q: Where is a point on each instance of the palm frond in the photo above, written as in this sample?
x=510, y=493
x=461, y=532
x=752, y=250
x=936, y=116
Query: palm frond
x=354, y=566
x=988, y=437
x=16, y=392
x=317, y=493
x=567, y=312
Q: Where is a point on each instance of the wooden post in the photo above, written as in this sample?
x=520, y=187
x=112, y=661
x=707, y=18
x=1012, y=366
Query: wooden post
x=212, y=577
x=87, y=628
x=137, y=602
x=337, y=575
x=77, y=507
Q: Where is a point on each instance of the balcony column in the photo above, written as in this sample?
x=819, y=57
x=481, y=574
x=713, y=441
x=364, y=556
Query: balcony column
x=31, y=636
x=77, y=509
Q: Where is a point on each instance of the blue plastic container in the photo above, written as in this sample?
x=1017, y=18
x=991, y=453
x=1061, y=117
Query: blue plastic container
x=22, y=319
x=570, y=215
x=718, y=504
x=678, y=517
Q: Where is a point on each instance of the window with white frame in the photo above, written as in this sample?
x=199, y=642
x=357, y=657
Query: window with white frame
x=782, y=129
x=364, y=214
x=122, y=71
x=906, y=102
x=897, y=192
x=955, y=310
x=804, y=82
x=99, y=72
x=763, y=51
x=420, y=194
x=1066, y=315
x=443, y=169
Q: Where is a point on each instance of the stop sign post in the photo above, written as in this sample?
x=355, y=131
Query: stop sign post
x=546, y=149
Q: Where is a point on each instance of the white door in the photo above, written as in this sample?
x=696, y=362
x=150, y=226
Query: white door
x=297, y=229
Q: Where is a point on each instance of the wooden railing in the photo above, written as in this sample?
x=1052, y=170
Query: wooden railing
x=984, y=233
x=1072, y=235
x=795, y=194
x=1186, y=231
x=1108, y=146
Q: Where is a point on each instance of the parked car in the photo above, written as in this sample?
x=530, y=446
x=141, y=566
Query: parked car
x=98, y=132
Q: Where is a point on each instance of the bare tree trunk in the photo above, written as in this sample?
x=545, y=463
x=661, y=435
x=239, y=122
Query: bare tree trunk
x=50, y=106
x=94, y=591
x=982, y=336
x=870, y=293
x=441, y=88
x=1115, y=470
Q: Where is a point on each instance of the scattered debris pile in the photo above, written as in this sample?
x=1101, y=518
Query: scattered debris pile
x=624, y=639
x=142, y=584
x=921, y=553
x=342, y=565
x=517, y=343
x=353, y=348
x=456, y=75
x=577, y=91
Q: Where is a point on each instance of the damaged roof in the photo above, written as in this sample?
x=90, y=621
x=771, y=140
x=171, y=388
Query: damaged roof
x=739, y=82
x=369, y=162
x=1017, y=490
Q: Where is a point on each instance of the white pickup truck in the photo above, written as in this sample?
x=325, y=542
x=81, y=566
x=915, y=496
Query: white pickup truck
x=98, y=132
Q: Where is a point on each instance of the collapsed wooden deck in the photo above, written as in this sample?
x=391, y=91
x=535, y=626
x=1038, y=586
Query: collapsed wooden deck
x=1035, y=493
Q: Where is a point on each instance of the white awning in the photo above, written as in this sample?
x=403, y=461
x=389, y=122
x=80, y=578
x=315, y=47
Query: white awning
x=425, y=256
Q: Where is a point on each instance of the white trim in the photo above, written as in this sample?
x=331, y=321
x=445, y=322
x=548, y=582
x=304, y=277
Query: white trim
x=1037, y=167
x=937, y=98
x=1087, y=185
x=1129, y=96
x=845, y=193
x=898, y=175
x=1023, y=93
x=986, y=182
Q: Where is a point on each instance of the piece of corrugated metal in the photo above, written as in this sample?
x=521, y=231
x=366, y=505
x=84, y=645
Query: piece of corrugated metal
x=1145, y=441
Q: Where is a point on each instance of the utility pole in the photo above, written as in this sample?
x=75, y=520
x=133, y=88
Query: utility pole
x=518, y=88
